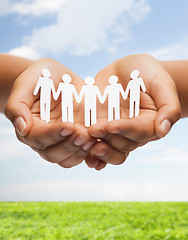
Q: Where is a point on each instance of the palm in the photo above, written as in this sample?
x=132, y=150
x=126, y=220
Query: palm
x=148, y=112
x=56, y=109
x=148, y=107
x=56, y=112
x=122, y=68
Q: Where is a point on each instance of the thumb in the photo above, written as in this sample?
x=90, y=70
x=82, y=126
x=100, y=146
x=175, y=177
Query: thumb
x=18, y=112
x=166, y=117
x=167, y=101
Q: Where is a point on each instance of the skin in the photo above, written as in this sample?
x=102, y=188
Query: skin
x=10, y=68
x=116, y=138
x=46, y=138
x=159, y=103
x=178, y=70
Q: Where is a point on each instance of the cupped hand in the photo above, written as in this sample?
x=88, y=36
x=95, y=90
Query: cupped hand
x=159, y=110
x=64, y=143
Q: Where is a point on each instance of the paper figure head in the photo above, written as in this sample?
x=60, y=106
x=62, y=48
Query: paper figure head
x=113, y=79
x=135, y=74
x=46, y=73
x=89, y=81
x=66, y=78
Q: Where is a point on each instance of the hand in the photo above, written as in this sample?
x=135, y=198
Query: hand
x=64, y=143
x=159, y=110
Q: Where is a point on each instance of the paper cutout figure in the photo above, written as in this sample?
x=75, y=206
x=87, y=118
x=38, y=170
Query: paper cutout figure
x=133, y=87
x=46, y=86
x=113, y=92
x=91, y=93
x=67, y=91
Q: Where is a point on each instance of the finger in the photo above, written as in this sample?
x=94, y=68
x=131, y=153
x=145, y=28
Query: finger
x=44, y=135
x=106, y=153
x=120, y=143
x=165, y=119
x=77, y=157
x=139, y=129
x=165, y=96
x=100, y=165
x=19, y=114
x=97, y=130
x=73, y=160
x=67, y=148
x=20, y=101
x=92, y=161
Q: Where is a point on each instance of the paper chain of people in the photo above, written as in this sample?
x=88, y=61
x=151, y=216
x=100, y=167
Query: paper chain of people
x=91, y=92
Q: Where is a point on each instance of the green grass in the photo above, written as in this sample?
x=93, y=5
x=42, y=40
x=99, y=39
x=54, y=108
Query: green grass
x=103, y=220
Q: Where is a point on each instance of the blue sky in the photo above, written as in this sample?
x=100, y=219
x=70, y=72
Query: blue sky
x=41, y=28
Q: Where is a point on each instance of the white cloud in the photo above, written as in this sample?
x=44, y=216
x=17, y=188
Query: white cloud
x=25, y=51
x=95, y=191
x=27, y=7
x=176, y=51
x=83, y=27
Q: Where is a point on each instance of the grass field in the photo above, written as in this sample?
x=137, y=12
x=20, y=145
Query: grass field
x=103, y=220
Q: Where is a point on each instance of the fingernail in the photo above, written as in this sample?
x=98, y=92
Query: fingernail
x=100, y=154
x=87, y=146
x=20, y=125
x=79, y=141
x=66, y=132
x=166, y=126
x=115, y=131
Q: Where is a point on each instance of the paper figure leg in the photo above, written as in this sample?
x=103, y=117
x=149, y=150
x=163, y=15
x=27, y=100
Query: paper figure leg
x=64, y=114
x=47, y=113
x=110, y=113
x=117, y=113
x=131, y=110
x=70, y=114
x=87, y=117
x=93, y=116
x=42, y=110
x=137, y=108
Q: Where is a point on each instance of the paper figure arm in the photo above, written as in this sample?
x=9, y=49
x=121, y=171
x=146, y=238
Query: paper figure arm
x=76, y=95
x=105, y=94
x=37, y=87
x=127, y=91
x=81, y=95
x=56, y=94
x=143, y=87
x=122, y=92
x=99, y=95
